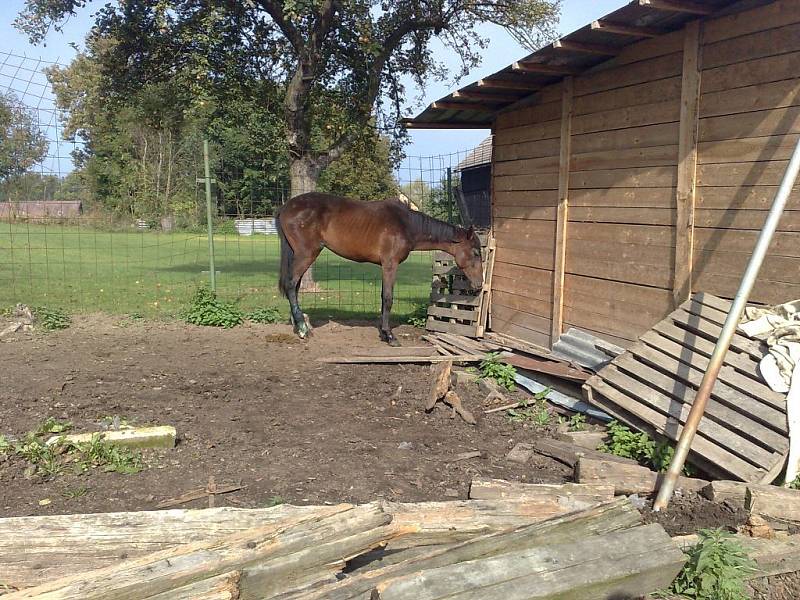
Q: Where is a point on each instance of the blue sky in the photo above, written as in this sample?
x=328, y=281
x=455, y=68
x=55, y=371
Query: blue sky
x=502, y=50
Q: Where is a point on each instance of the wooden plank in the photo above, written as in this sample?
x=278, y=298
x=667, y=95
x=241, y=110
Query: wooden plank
x=736, y=242
x=546, y=164
x=640, y=72
x=534, y=181
x=520, y=150
x=697, y=318
x=625, y=197
x=745, y=219
x=671, y=427
x=768, y=173
x=453, y=313
x=617, y=329
x=637, y=234
x=456, y=299
x=627, y=478
x=664, y=134
x=778, y=121
x=632, y=216
x=662, y=111
x=457, y=328
x=751, y=72
x=499, y=489
x=545, y=130
x=762, y=96
x=780, y=40
x=760, y=18
x=557, y=304
x=773, y=501
x=765, y=292
x=687, y=164
x=655, y=156
x=486, y=291
x=634, y=95
x=634, y=177
x=736, y=412
x=400, y=359
x=533, y=198
x=540, y=112
x=767, y=148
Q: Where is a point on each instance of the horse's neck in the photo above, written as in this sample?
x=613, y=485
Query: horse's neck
x=433, y=235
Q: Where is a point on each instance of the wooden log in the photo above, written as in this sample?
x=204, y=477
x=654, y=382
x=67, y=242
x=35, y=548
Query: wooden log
x=34, y=550
x=732, y=492
x=590, y=440
x=221, y=587
x=579, y=495
x=772, y=501
x=440, y=383
x=162, y=436
x=275, y=558
x=569, y=453
x=521, y=453
x=627, y=478
x=574, y=527
x=629, y=563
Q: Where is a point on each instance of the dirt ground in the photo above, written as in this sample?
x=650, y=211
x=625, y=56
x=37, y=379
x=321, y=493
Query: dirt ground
x=254, y=407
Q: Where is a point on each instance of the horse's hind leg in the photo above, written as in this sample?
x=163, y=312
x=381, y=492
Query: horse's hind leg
x=387, y=297
x=301, y=264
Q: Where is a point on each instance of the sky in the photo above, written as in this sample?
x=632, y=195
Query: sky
x=502, y=50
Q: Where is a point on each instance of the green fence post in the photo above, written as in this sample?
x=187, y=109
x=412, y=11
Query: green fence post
x=210, y=220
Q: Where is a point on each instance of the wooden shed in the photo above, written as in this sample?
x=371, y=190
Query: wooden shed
x=634, y=161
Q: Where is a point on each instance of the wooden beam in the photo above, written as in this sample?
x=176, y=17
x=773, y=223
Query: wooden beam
x=463, y=106
x=534, y=67
x=486, y=96
x=508, y=84
x=687, y=164
x=597, y=49
x=414, y=124
x=692, y=8
x=562, y=216
x=623, y=29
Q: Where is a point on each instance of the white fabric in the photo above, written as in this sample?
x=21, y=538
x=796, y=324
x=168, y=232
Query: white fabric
x=780, y=328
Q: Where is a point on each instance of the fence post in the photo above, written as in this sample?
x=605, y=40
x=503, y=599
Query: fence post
x=449, y=195
x=209, y=220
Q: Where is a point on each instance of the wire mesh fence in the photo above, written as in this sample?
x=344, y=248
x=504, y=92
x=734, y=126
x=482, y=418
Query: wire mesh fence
x=66, y=243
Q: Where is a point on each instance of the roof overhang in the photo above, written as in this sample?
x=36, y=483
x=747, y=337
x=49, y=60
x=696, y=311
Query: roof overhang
x=476, y=105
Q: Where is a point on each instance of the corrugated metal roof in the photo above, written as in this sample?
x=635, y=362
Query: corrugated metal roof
x=585, y=349
x=579, y=51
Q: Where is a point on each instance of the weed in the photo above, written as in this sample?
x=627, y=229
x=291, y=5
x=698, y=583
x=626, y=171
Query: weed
x=77, y=492
x=576, y=422
x=44, y=459
x=639, y=447
x=207, y=309
x=274, y=501
x=52, y=425
x=503, y=374
x=265, y=315
x=716, y=569
x=535, y=411
x=5, y=445
x=52, y=318
x=419, y=316
x=97, y=453
x=795, y=485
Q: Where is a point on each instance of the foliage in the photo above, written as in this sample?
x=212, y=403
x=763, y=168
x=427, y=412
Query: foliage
x=5, y=445
x=74, y=493
x=111, y=457
x=337, y=67
x=576, y=422
x=22, y=143
x=503, y=374
x=52, y=425
x=364, y=171
x=419, y=316
x=52, y=319
x=795, y=485
x=640, y=447
x=534, y=411
x=207, y=309
x=44, y=459
x=716, y=569
x=265, y=315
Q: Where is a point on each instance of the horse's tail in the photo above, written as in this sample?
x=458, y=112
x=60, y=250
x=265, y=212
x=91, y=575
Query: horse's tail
x=287, y=258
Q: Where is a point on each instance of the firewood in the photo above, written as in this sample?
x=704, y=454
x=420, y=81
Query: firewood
x=299, y=551
x=773, y=501
x=569, y=453
x=567, y=495
x=584, y=439
x=627, y=478
x=440, y=384
x=732, y=492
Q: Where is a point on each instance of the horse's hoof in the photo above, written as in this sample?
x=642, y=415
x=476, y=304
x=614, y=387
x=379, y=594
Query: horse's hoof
x=307, y=321
x=393, y=342
x=302, y=330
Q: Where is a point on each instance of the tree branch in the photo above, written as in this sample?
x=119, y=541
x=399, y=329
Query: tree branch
x=275, y=11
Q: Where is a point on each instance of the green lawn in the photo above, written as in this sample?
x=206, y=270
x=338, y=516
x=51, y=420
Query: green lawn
x=83, y=269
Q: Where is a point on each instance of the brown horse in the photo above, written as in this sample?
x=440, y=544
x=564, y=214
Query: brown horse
x=383, y=233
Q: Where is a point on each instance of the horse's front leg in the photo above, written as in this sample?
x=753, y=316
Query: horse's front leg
x=387, y=296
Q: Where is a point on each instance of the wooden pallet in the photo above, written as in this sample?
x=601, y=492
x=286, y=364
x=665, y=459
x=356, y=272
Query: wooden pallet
x=455, y=307
x=743, y=433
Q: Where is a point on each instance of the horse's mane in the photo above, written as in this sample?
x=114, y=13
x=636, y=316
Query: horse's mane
x=426, y=226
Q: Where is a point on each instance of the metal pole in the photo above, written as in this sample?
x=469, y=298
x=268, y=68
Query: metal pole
x=209, y=219
x=449, y=195
x=731, y=322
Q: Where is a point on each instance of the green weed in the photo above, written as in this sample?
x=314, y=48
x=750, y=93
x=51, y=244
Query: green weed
x=534, y=411
x=52, y=425
x=97, y=453
x=418, y=317
x=503, y=374
x=52, y=319
x=207, y=309
x=265, y=315
x=74, y=493
x=5, y=445
x=274, y=501
x=716, y=569
x=795, y=485
x=576, y=422
x=640, y=447
x=45, y=460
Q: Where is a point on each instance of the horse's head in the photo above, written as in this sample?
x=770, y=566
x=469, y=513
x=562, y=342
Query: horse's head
x=467, y=252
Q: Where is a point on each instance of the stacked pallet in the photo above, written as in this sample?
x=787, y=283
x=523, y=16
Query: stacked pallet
x=743, y=434
x=455, y=307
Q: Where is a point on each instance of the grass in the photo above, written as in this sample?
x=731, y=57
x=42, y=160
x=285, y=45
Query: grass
x=640, y=447
x=153, y=274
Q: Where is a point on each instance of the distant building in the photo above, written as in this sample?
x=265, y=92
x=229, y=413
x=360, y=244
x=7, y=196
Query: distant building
x=40, y=210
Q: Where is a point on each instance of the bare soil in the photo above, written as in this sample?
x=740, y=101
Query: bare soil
x=254, y=407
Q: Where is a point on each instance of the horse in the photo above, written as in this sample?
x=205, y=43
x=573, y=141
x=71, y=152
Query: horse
x=381, y=232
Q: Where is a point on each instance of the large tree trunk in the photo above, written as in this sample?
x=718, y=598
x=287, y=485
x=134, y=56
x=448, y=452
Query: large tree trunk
x=303, y=175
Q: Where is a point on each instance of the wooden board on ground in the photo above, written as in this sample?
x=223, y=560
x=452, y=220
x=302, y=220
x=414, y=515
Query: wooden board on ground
x=742, y=435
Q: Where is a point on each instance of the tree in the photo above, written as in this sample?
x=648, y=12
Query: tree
x=340, y=62
x=22, y=143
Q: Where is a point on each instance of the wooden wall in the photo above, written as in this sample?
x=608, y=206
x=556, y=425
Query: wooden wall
x=622, y=169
